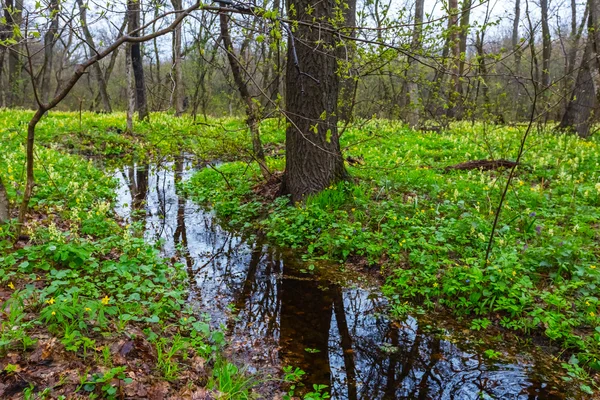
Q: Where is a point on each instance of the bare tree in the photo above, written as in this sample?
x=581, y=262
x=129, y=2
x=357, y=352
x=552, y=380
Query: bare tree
x=98, y=75
x=253, y=111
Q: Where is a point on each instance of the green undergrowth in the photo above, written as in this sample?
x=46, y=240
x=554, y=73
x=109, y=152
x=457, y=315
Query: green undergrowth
x=95, y=134
x=427, y=228
x=83, y=282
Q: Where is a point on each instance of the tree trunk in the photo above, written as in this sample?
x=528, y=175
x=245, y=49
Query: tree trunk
x=465, y=17
x=130, y=89
x=348, y=84
x=4, y=206
x=252, y=108
x=412, y=72
x=583, y=102
x=133, y=13
x=516, y=45
x=179, y=92
x=578, y=115
x=454, y=48
x=113, y=60
x=13, y=13
x=313, y=156
x=97, y=71
x=49, y=41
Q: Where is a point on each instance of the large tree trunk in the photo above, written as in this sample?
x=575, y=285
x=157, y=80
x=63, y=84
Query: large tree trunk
x=49, y=41
x=252, y=108
x=179, y=92
x=133, y=13
x=97, y=71
x=313, y=157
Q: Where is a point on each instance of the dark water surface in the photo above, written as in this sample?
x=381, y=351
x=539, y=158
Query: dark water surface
x=277, y=315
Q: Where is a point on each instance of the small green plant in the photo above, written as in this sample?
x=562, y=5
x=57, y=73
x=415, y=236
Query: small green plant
x=479, y=324
x=231, y=381
x=101, y=383
x=318, y=393
x=492, y=354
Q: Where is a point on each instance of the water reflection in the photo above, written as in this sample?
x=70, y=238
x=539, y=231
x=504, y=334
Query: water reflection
x=277, y=315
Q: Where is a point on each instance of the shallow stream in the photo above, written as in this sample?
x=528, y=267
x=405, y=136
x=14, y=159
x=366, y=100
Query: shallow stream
x=277, y=313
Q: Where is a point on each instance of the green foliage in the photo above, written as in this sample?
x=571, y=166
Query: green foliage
x=427, y=228
x=84, y=278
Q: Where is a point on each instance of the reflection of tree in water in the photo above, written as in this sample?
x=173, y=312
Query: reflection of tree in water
x=136, y=177
x=306, y=312
x=180, y=234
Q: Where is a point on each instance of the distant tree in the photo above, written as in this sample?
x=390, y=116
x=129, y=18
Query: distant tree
x=578, y=116
x=133, y=14
x=97, y=71
x=253, y=111
x=179, y=89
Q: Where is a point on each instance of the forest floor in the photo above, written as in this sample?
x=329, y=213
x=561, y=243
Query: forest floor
x=408, y=214
x=89, y=309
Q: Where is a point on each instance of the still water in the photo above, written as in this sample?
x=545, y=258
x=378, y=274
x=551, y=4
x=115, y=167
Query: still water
x=277, y=314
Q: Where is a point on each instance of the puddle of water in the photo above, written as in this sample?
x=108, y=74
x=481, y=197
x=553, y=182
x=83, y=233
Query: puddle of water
x=276, y=315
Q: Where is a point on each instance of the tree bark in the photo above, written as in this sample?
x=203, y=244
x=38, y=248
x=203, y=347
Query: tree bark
x=313, y=156
x=97, y=71
x=252, y=108
x=133, y=13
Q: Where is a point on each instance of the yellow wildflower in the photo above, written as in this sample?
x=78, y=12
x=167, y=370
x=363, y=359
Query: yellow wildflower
x=592, y=266
x=592, y=314
x=88, y=309
x=514, y=273
x=53, y=312
x=11, y=285
x=105, y=300
x=435, y=284
x=50, y=301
